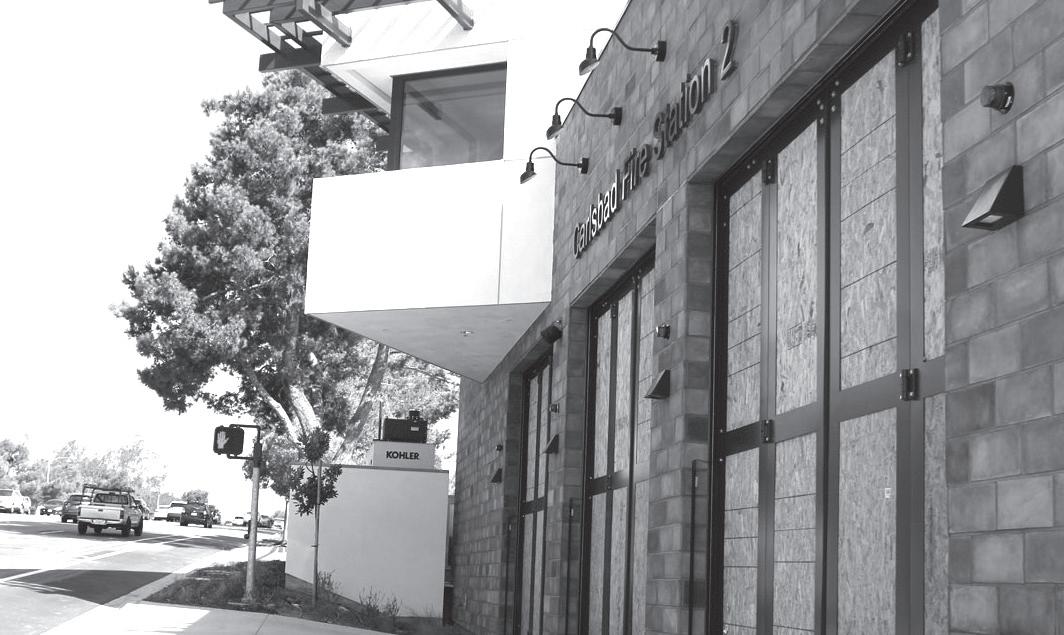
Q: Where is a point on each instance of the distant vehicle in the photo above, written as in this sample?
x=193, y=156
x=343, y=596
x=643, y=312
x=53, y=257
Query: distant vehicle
x=266, y=521
x=197, y=514
x=51, y=507
x=174, y=511
x=240, y=520
x=109, y=509
x=70, y=508
x=12, y=500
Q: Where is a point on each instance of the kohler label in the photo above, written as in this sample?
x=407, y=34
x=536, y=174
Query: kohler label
x=404, y=456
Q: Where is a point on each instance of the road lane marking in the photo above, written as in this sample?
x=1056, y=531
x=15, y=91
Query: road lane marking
x=54, y=531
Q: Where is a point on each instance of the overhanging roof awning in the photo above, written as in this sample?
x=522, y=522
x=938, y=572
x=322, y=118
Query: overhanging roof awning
x=293, y=28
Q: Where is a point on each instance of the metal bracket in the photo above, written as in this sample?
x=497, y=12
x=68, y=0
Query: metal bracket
x=766, y=431
x=910, y=384
x=768, y=171
x=905, y=49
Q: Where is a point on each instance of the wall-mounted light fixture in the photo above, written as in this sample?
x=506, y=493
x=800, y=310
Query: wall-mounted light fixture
x=663, y=331
x=556, y=122
x=998, y=96
x=1000, y=202
x=552, y=333
x=592, y=60
x=497, y=476
x=661, y=387
x=552, y=445
x=530, y=168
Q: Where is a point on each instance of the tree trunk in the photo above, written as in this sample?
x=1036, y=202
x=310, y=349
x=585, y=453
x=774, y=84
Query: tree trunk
x=372, y=389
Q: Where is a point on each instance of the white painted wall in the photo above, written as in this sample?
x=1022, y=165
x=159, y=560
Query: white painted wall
x=386, y=530
x=455, y=235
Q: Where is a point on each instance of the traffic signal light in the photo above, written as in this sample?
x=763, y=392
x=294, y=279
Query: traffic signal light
x=228, y=440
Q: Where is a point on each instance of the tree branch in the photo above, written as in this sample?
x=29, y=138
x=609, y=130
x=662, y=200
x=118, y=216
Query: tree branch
x=369, y=394
x=256, y=383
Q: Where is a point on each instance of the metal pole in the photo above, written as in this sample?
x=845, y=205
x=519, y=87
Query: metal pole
x=317, y=523
x=253, y=523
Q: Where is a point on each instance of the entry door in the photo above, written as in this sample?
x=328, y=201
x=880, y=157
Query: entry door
x=834, y=334
x=532, y=527
x=618, y=459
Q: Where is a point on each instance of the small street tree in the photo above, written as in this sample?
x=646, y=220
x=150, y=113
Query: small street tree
x=223, y=300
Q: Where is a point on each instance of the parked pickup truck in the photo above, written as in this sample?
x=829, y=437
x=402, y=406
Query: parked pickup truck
x=109, y=509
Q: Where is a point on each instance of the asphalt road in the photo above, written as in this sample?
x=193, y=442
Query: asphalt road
x=49, y=574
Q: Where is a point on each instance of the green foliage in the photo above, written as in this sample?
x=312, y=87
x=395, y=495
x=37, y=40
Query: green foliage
x=195, y=496
x=224, y=297
x=305, y=489
x=14, y=458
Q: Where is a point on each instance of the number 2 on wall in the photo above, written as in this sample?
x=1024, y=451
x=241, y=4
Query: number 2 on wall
x=727, y=66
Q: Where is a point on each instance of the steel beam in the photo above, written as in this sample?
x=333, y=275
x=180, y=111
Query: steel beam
x=458, y=12
x=273, y=62
x=325, y=19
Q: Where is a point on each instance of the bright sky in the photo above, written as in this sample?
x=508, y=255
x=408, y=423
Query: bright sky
x=101, y=121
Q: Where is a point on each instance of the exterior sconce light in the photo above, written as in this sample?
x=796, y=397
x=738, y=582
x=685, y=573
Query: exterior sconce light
x=497, y=476
x=1000, y=202
x=592, y=60
x=998, y=96
x=552, y=333
x=552, y=445
x=661, y=387
x=556, y=122
x=663, y=331
x=530, y=168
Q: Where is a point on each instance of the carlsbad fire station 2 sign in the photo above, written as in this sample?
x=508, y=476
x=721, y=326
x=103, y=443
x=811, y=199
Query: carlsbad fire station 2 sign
x=669, y=125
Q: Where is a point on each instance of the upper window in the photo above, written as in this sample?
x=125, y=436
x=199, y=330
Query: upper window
x=449, y=117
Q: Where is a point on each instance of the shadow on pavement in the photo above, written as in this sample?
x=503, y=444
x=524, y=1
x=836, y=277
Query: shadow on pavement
x=97, y=586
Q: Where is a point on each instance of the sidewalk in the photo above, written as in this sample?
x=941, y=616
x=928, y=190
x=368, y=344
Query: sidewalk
x=150, y=617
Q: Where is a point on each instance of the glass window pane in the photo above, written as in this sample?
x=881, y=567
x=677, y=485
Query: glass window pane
x=796, y=273
x=530, y=439
x=794, y=599
x=453, y=118
x=740, y=542
x=934, y=238
x=603, y=369
x=867, y=523
x=868, y=243
x=544, y=429
x=622, y=443
x=744, y=305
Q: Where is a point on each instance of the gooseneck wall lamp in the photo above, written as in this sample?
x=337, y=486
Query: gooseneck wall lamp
x=530, y=168
x=613, y=115
x=592, y=60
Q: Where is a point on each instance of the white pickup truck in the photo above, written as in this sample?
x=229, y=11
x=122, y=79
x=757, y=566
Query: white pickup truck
x=109, y=509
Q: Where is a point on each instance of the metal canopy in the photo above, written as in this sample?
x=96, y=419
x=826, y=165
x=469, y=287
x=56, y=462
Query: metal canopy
x=293, y=28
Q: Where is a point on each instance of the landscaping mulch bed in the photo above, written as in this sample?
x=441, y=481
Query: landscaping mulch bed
x=223, y=587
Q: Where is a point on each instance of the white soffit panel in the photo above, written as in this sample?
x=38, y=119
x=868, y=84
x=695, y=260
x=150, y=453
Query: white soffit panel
x=437, y=335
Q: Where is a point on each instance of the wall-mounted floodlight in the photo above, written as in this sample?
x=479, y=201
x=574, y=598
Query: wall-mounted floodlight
x=613, y=115
x=592, y=60
x=1000, y=202
x=1000, y=97
x=552, y=333
x=530, y=168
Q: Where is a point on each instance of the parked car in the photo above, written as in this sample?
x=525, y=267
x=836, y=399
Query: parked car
x=197, y=514
x=240, y=520
x=174, y=511
x=12, y=500
x=265, y=521
x=70, y=508
x=109, y=509
x=51, y=507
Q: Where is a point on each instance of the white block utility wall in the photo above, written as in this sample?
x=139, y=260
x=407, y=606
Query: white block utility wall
x=385, y=532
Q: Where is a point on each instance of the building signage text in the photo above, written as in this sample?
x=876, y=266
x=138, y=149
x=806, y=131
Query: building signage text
x=669, y=125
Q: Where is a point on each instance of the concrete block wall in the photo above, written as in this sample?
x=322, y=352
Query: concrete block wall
x=1005, y=320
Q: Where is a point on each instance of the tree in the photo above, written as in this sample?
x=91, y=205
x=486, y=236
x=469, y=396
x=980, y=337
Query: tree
x=14, y=459
x=224, y=296
x=195, y=496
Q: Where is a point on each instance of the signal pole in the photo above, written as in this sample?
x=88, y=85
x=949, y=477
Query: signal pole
x=253, y=523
